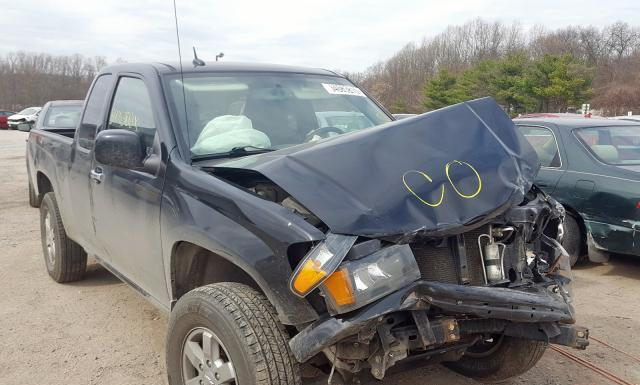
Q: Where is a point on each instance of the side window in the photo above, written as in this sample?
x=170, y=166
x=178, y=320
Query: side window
x=93, y=111
x=544, y=142
x=131, y=110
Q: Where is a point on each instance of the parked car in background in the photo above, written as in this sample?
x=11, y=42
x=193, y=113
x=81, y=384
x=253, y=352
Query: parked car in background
x=4, y=119
x=403, y=116
x=630, y=118
x=28, y=115
x=592, y=167
x=57, y=115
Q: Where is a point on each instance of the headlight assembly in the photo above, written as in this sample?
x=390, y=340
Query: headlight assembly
x=362, y=281
x=320, y=262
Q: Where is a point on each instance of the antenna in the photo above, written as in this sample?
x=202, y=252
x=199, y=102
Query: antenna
x=197, y=62
x=184, y=98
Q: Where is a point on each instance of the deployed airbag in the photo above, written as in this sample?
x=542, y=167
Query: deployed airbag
x=225, y=132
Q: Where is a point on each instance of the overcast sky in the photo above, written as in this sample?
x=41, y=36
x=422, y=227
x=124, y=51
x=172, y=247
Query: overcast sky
x=335, y=34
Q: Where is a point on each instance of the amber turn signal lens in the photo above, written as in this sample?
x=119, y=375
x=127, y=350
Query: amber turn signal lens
x=308, y=276
x=338, y=286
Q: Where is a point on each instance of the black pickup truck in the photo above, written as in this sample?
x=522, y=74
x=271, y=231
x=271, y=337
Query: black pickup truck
x=285, y=248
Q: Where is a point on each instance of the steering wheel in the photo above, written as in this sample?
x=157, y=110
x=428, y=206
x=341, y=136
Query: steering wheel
x=322, y=132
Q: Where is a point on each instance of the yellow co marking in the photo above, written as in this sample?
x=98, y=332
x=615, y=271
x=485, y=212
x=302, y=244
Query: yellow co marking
x=446, y=170
x=427, y=177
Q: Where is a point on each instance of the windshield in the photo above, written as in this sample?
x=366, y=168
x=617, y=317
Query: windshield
x=28, y=111
x=618, y=145
x=63, y=116
x=267, y=111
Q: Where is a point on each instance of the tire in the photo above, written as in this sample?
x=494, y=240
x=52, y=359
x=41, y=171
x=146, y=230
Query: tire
x=65, y=260
x=510, y=357
x=572, y=238
x=246, y=329
x=33, y=198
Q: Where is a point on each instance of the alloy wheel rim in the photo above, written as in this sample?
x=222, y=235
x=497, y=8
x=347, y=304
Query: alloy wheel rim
x=205, y=360
x=50, y=239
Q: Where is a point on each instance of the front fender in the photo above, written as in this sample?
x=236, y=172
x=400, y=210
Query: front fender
x=248, y=231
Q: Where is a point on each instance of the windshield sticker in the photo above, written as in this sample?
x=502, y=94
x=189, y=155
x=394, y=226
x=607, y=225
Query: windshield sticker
x=340, y=89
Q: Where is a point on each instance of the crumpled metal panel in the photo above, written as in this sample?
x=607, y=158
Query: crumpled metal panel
x=432, y=173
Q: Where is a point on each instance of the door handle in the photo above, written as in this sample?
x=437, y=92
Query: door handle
x=97, y=175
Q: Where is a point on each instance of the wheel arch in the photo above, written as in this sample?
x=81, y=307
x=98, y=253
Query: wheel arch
x=43, y=185
x=193, y=265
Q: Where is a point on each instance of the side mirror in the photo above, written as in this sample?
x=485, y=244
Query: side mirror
x=119, y=148
x=25, y=126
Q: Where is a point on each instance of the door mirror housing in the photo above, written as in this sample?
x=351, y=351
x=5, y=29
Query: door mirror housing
x=119, y=148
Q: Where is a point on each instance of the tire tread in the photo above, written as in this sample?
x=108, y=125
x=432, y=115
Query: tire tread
x=263, y=335
x=72, y=257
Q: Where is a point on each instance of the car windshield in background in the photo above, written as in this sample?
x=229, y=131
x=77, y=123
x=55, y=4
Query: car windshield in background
x=63, y=116
x=260, y=112
x=28, y=111
x=618, y=145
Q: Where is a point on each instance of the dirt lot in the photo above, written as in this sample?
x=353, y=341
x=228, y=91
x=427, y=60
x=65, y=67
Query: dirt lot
x=99, y=331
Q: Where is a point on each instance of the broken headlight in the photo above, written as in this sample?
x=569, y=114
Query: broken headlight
x=560, y=268
x=359, y=282
x=320, y=262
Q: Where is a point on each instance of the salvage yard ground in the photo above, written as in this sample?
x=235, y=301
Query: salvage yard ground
x=99, y=331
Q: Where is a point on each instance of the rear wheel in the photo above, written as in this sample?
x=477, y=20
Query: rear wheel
x=33, y=198
x=66, y=261
x=572, y=239
x=499, y=358
x=228, y=333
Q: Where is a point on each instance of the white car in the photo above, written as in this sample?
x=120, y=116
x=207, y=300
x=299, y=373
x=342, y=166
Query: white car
x=28, y=115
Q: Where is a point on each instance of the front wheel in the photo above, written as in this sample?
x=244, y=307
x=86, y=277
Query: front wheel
x=499, y=358
x=228, y=333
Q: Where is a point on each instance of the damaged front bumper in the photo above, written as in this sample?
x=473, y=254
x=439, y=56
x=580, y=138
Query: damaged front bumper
x=534, y=312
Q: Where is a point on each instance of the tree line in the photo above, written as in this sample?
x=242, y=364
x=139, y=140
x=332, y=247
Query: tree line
x=32, y=79
x=534, y=70
x=537, y=70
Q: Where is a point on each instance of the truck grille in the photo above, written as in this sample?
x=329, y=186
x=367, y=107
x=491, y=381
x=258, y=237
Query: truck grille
x=439, y=264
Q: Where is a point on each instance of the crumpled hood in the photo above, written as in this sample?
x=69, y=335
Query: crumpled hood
x=431, y=173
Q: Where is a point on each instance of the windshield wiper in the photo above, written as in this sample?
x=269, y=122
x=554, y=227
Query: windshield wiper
x=234, y=152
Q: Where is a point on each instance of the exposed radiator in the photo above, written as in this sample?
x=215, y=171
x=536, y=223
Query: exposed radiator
x=438, y=263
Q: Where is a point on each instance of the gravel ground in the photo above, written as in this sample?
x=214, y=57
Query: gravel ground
x=99, y=331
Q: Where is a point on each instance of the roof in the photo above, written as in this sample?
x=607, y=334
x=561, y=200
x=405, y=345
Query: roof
x=578, y=122
x=65, y=102
x=174, y=68
x=635, y=118
x=553, y=115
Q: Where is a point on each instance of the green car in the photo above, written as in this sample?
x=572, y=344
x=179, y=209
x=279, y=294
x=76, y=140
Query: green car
x=592, y=167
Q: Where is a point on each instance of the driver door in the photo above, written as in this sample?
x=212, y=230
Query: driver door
x=126, y=202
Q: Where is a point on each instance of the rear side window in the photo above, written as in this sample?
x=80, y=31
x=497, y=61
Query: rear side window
x=618, y=145
x=544, y=142
x=131, y=110
x=64, y=116
x=93, y=113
